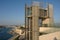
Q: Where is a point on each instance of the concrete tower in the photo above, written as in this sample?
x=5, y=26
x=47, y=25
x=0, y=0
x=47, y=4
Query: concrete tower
x=37, y=16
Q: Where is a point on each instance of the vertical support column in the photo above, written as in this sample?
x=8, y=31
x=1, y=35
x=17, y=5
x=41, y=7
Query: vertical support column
x=50, y=10
x=26, y=22
x=27, y=25
x=35, y=28
x=29, y=28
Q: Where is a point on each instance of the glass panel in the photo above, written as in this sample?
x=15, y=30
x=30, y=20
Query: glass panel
x=40, y=22
x=45, y=12
x=29, y=11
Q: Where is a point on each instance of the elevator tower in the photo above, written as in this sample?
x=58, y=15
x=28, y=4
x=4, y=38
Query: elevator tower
x=36, y=15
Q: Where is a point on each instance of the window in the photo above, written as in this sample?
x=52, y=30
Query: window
x=45, y=12
x=40, y=22
x=29, y=11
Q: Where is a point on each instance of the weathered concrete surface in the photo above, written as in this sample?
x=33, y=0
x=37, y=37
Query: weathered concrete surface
x=51, y=36
x=48, y=29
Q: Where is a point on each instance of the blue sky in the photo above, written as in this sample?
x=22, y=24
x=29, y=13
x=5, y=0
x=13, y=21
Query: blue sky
x=12, y=11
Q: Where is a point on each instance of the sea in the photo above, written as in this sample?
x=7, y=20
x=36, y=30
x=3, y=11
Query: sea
x=4, y=35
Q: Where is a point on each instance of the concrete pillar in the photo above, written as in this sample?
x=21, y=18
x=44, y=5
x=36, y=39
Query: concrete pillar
x=35, y=17
x=50, y=11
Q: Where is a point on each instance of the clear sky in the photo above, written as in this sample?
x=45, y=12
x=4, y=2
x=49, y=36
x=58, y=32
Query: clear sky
x=13, y=11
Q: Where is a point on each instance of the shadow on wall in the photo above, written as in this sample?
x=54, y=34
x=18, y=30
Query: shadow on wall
x=55, y=38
